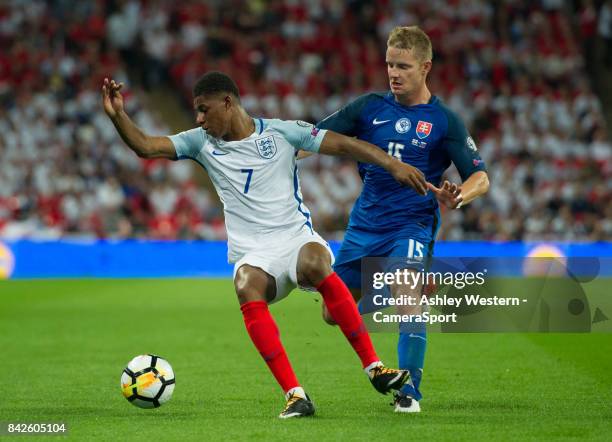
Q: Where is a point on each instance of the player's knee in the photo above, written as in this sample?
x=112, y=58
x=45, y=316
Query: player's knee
x=244, y=296
x=313, y=268
x=242, y=292
x=250, y=285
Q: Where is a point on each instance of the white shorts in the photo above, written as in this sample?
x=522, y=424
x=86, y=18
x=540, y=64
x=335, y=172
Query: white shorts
x=279, y=259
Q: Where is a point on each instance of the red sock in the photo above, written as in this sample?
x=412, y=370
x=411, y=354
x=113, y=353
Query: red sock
x=343, y=310
x=264, y=333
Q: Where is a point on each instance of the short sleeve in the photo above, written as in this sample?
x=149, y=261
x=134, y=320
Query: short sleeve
x=300, y=134
x=461, y=148
x=189, y=143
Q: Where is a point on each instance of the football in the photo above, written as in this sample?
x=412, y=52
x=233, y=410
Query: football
x=147, y=381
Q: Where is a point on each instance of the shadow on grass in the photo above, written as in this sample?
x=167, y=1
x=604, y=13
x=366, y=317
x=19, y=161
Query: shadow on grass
x=64, y=414
x=493, y=404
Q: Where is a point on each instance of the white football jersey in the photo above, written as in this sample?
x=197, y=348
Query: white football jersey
x=256, y=179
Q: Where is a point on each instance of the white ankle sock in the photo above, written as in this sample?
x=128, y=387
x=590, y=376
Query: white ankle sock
x=298, y=391
x=371, y=366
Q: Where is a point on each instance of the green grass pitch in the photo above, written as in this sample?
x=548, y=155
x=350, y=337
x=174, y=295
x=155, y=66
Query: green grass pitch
x=63, y=345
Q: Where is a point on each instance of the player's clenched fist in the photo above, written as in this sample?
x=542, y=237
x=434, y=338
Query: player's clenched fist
x=111, y=97
x=409, y=176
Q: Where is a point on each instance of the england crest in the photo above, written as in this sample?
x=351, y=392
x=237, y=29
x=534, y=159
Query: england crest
x=423, y=129
x=266, y=147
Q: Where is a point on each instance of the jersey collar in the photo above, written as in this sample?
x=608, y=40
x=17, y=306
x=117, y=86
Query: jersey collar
x=391, y=98
x=259, y=126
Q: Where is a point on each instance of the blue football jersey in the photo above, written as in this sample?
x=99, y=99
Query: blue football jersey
x=427, y=136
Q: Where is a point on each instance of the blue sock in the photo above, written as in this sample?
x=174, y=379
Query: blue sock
x=411, y=355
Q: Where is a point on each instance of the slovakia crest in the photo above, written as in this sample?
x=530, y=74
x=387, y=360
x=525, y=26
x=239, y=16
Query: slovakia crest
x=266, y=147
x=423, y=129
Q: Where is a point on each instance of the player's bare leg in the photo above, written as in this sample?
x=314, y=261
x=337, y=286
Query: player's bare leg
x=255, y=288
x=325, y=313
x=314, y=270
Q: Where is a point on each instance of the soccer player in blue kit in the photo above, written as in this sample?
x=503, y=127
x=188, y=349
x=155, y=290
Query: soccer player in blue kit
x=389, y=220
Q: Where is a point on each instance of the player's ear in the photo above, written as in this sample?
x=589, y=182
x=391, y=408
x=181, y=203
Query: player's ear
x=426, y=67
x=229, y=102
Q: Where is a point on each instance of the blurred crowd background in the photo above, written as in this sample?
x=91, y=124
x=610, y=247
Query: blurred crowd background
x=530, y=79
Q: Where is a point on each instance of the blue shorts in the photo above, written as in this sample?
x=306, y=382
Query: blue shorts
x=413, y=241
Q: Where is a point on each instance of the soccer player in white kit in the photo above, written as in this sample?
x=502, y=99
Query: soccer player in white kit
x=252, y=164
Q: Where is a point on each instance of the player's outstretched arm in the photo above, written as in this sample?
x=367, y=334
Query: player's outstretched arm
x=454, y=196
x=144, y=145
x=341, y=145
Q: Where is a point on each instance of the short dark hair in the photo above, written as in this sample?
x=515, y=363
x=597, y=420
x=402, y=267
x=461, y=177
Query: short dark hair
x=215, y=82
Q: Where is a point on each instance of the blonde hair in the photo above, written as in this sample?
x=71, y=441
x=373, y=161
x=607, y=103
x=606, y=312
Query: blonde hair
x=411, y=37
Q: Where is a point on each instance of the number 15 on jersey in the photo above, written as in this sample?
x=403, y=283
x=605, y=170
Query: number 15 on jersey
x=395, y=150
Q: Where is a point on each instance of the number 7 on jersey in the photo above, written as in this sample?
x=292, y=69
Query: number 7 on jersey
x=249, y=173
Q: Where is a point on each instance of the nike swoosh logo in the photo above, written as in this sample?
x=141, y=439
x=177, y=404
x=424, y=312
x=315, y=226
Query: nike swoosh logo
x=376, y=122
x=220, y=153
x=412, y=335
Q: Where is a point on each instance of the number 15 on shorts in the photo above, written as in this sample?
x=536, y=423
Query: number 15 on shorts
x=415, y=250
